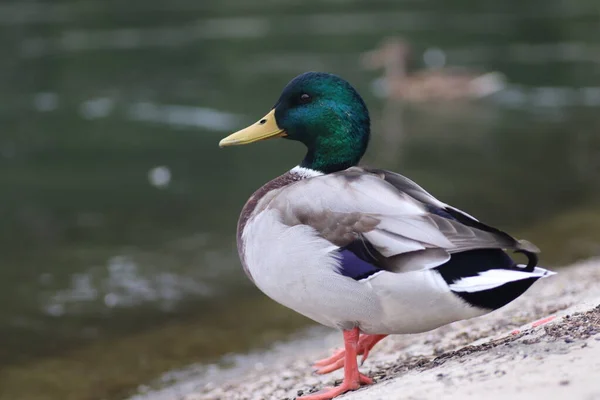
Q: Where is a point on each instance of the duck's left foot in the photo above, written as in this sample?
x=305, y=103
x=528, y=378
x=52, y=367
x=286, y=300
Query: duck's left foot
x=331, y=392
x=336, y=361
x=353, y=379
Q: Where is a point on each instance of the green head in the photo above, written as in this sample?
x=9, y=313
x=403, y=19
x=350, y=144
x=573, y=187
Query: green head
x=322, y=111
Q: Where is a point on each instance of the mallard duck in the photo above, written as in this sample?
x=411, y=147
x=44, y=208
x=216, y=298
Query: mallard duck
x=435, y=84
x=361, y=249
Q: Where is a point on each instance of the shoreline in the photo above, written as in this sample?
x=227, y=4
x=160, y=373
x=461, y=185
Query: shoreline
x=462, y=360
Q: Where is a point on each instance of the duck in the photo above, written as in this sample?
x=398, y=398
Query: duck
x=435, y=84
x=360, y=249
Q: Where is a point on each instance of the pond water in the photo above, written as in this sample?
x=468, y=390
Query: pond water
x=118, y=209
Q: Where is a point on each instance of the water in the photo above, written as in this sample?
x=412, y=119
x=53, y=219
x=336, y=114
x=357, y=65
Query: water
x=118, y=210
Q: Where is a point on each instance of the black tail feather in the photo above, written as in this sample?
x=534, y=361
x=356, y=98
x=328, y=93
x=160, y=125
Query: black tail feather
x=532, y=259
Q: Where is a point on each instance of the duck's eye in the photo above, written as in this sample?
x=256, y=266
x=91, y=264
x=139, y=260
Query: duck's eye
x=305, y=98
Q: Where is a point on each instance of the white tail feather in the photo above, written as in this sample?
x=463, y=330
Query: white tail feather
x=496, y=277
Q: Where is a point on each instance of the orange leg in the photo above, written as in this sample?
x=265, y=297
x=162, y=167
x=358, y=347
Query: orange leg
x=336, y=361
x=352, y=377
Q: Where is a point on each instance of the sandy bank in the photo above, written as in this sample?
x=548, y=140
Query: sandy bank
x=495, y=356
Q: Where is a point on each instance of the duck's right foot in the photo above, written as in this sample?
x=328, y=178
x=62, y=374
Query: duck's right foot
x=336, y=361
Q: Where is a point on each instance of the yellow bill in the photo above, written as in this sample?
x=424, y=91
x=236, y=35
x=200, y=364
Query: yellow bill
x=265, y=128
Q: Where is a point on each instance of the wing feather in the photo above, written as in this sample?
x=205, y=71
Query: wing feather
x=398, y=218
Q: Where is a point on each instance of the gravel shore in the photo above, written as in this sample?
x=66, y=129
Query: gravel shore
x=498, y=355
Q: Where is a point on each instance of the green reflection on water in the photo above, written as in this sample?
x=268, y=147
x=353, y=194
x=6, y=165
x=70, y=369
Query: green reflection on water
x=112, y=367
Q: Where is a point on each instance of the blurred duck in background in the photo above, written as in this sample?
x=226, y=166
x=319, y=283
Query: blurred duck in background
x=436, y=83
